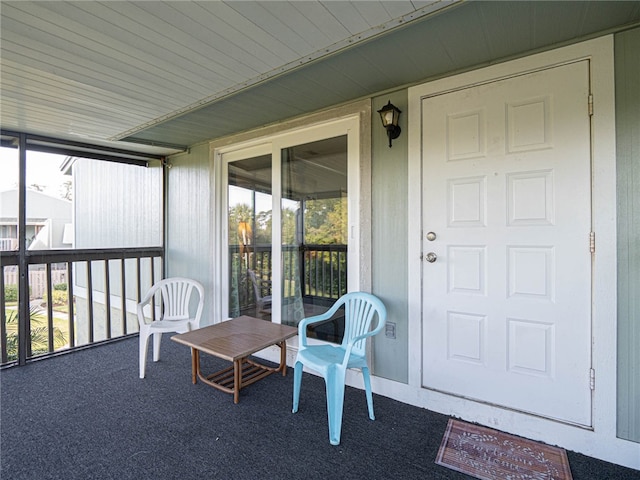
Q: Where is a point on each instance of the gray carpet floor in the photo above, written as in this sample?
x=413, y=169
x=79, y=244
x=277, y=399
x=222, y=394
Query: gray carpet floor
x=87, y=415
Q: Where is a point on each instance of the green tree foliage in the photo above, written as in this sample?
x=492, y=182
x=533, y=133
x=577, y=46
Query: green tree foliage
x=289, y=226
x=262, y=232
x=259, y=228
x=238, y=214
x=326, y=221
x=10, y=293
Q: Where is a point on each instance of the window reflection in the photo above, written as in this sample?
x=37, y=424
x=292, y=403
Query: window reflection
x=249, y=221
x=314, y=231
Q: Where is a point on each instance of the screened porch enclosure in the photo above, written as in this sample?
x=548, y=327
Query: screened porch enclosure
x=313, y=232
x=75, y=279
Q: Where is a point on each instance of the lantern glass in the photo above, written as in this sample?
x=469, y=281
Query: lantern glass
x=389, y=115
x=387, y=118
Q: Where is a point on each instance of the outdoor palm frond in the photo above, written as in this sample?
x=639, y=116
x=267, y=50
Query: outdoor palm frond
x=38, y=334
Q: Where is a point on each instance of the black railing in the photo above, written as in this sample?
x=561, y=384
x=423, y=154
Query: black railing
x=76, y=298
x=321, y=271
x=324, y=271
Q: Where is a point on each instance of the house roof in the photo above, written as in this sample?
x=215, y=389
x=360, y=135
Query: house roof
x=41, y=206
x=159, y=76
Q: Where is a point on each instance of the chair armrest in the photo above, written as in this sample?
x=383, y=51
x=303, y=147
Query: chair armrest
x=302, y=326
x=142, y=319
x=359, y=338
x=144, y=302
x=353, y=341
x=147, y=298
x=305, y=322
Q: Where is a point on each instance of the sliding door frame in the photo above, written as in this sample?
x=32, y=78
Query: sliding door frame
x=350, y=125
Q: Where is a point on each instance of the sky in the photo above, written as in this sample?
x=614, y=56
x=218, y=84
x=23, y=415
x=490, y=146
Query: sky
x=42, y=169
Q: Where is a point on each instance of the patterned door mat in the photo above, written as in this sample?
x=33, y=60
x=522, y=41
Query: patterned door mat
x=492, y=455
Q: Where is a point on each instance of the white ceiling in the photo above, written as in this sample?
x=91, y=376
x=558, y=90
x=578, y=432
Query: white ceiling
x=96, y=71
x=181, y=72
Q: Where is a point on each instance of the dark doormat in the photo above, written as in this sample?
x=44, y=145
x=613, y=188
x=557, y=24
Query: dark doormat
x=492, y=455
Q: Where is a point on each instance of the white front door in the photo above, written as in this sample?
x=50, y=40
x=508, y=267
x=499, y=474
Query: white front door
x=507, y=213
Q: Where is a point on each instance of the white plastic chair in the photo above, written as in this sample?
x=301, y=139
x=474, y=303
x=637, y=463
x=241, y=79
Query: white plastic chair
x=332, y=361
x=171, y=313
x=263, y=303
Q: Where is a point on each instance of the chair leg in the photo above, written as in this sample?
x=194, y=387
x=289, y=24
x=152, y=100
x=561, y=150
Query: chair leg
x=367, y=387
x=156, y=346
x=297, y=382
x=144, y=343
x=334, y=380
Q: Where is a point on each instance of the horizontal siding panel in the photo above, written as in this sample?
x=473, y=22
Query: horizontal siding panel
x=49, y=58
x=400, y=9
x=295, y=18
x=323, y=20
x=377, y=14
x=39, y=118
x=281, y=29
x=352, y=74
x=248, y=35
x=108, y=45
x=185, y=46
x=15, y=84
x=348, y=16
x=221, y=38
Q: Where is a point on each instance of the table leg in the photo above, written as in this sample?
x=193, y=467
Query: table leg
x=195, y=365
x=237, y=379
x=283, y=357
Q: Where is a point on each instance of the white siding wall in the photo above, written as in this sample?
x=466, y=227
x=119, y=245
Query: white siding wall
x=117, y=205
x=627, y=47
x=189, y=216
x=389, y=245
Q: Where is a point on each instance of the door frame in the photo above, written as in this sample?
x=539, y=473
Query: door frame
x=273, y=143
x=599, y=52
x=564, y=161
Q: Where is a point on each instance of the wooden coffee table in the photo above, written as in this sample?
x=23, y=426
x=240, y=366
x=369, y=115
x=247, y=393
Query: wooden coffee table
x=235, y=340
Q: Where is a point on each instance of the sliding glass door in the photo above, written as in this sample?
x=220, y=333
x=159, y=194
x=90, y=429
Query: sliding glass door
x=249, y=228
x=314, y=194
x=290, y=236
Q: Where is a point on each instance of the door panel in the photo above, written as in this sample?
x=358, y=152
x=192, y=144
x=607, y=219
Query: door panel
x=506, y=190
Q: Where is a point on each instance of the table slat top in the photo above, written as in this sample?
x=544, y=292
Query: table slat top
x=236, y=338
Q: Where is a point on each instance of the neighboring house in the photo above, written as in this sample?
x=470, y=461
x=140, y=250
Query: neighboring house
x=48, y=221
x=48, y=226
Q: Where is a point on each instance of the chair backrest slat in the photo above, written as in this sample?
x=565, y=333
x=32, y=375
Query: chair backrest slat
x=176, y=297
x=360, y=310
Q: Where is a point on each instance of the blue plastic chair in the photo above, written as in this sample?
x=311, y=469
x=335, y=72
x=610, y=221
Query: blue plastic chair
x=332, y=361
